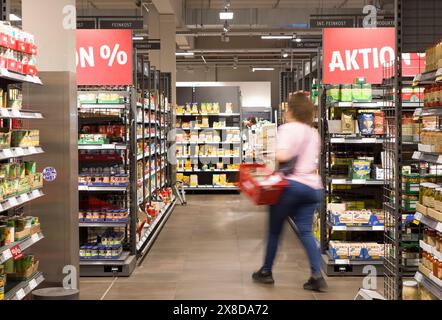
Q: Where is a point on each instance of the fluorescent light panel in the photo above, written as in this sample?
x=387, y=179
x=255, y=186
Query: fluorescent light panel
x=137, y=38
x=182, y=54
x=280, y=37
x=226, y=15
x=262, y=69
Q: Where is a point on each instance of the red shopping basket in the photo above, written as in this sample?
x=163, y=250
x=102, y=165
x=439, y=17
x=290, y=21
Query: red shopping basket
x=261, y=193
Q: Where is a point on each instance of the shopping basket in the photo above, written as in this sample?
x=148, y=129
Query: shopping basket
x=260, y=184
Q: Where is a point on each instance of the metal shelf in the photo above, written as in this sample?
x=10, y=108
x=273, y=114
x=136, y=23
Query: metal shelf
x=23, y=288
x=208, y=143
x=103, y=224
x=102, y=147
x=344, y=181
x=5, y=252
x=121, y=260
x=365, y=105
x=102, y=106
x=205, y=157
x=428, y=77
x=212, y=128
x=207, y=171
x=431, y=283
x=428, y=221
x=16, y=77
x=430, y=249
x=354, y=228
x=332, y=261
x=217, y=188
x=19, y=114
x=356, y=140
x=19, y=152
x=16, y=201
x=208, y=114
x=90, y=188
x=146, y=155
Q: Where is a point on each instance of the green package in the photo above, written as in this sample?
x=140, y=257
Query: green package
x=356, y=92
x=360, y=169
x=360, y=80
x=30, y=167
x=366, y=93
x=346, y=93
x=334, y=93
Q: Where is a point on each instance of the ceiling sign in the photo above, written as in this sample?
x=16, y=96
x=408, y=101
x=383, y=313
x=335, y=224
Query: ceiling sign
x=104, y=57
x=357, y=52
x=332, y=22
x=135, y=23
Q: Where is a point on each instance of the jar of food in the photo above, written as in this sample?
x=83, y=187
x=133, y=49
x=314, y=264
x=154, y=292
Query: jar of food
x=425, y=235
x=410, y=290
x=426, y=260
x=82, y=252
x=94, y=252
x=439, y=242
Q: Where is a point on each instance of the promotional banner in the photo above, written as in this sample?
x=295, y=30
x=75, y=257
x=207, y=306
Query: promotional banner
x=357, y=52
x=104, y=57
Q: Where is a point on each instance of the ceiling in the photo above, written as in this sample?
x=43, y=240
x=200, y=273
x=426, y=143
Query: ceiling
x=274, y=4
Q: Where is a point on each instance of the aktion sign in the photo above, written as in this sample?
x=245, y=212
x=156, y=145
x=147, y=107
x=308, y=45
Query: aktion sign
x=357, y=52
x=104, y=57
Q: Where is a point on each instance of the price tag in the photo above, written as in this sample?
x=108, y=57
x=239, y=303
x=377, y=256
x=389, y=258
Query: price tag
x=35, y=193
x=33, y=150
x=19, y=152
x=108, y=146
x=16, y=113
x=16, y=252
x=340, y=228
x=20, y=294
x=369, y=140
x=13, y=201
x=5, y=113
x=358, y=181
x=439, y=159
x=6, y=255
x=342, y=261
x=8, y=153
x=32, y=284
x=35, y=237
x=337, y=140
x=378, y=228
x=24, y=197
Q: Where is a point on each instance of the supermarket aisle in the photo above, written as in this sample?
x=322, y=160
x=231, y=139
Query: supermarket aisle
x=208, y=250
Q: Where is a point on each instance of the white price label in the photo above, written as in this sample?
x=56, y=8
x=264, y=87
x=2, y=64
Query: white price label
x=32, y=149
x=16, y=113
x=378, y=228
x=19, y=152
x=5, y=113
x=342, y=261
x=8, y=153
x=337, y=140
x=20, y=294
x=439, y=159
x=13, y=201
x=35, y=237
x=340, y=228
x=369, y=140
x=24, y=197
x=108, y=146
x=35, y=193
x=358, y=181
x=6, y=255
x=32, y=284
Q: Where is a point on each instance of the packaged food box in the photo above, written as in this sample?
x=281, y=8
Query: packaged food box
x=366, y=93
x=409, y=202
x=374, y=250
x=347, y=123
x=339, y=250
x=5, y=140
x=361, y=217
x=355, y=250
x=360, y=169
x=366, y=123
x=379, y=127
x=360, y=80
x=356, y=92
x=342, y=218
x=334, y=93
x=411, y=183
x=346, y=93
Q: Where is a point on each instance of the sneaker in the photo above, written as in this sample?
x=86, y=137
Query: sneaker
x=318, y=285
x=263, y=277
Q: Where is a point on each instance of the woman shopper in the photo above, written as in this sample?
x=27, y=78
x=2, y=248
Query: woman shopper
x=297, y=152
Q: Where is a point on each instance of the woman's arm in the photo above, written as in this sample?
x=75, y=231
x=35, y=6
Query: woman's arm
x=286, y=144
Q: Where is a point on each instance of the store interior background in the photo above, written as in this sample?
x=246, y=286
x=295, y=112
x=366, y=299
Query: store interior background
x=194, y=26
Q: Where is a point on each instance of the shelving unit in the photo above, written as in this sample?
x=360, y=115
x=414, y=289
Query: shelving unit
x=105, y=157
x=16, y=116
x=154, y=170
x=200, y=157
x=336, y=157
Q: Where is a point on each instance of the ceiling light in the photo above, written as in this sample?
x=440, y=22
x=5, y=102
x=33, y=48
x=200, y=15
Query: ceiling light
x=262, y=69
x=285, y=54
x=184, y=54
x=298, y=40
x=14, y=17
x=278, y=37
x=226, y=15
x=137, y=38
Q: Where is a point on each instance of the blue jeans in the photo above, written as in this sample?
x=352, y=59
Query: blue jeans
x=299, y=202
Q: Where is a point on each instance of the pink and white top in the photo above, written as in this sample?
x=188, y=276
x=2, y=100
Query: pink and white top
x=304, y=142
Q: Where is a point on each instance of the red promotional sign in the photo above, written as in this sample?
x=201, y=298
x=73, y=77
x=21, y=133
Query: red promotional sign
x=104, y=57
x=16, y=252
x=357, y=52
x=412, y=64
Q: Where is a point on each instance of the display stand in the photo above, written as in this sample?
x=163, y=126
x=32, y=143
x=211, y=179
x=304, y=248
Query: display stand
x=209, y=143
x=106, y=181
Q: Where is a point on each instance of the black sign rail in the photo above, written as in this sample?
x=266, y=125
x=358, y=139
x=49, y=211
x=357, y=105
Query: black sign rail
x=306, y=44
x=123, y=23
x=87, y=24
x=332, y=22
x=380, y=22
x=149, y=44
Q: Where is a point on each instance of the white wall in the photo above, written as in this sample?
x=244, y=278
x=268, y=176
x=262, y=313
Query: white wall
x=254, y=93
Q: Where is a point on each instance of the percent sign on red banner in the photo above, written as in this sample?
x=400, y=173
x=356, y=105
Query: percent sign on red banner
x=104, y=57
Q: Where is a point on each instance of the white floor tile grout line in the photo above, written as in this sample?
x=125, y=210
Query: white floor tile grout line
x=108, y=289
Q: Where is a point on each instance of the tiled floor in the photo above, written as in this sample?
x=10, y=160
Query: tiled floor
x=208, y=250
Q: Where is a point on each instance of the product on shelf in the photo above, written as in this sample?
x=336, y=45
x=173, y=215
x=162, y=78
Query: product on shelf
x=25, y=138
x=17, y=228
x=433, y=57
x=366, y=123
x=347, y=123
x=360, y=169
x=22, y=268
x=356, y=250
